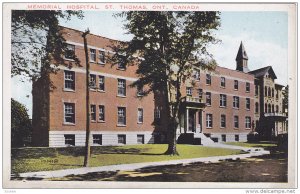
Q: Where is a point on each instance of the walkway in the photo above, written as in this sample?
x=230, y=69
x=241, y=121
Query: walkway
x=126, y=167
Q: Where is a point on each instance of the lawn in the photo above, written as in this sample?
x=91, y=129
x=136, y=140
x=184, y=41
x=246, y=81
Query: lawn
x=248, y=144
x=45, y=159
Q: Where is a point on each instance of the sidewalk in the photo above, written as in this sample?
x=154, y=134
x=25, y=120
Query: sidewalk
x=125, y=167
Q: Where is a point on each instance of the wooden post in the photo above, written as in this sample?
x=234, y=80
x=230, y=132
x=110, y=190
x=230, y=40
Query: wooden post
x=87, y=137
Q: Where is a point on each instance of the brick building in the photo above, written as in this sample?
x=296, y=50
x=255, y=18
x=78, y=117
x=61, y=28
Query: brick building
x=219, y=105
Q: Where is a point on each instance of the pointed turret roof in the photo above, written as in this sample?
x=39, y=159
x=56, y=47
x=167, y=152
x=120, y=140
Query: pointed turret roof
x=242, y=54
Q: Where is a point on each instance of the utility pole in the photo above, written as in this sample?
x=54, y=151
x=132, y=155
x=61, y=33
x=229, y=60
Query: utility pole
x=87, y=137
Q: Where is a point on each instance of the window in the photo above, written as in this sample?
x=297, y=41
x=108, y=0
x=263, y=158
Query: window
x=209, y=121
x=266, y=91
x=236, y=121
x=69, y=113
x=157, y=115
x=266, y=108
x=223, y=82
x=69, y=140
x=248, y=122
x=272, y=92
x=236, y=102
x=121, y=139
x=256, y=107
x=121, y=87
x=223, y=138
x=121, y=116
x=223, y=100
x=93, y=55
x=101, y=57
x=140, y=115
x=248, y=103
x=208, y=98
x=269, y=92
x=92, y=81
x=236, y=84
x=140, y=139
x=101, y=83
x=93, y=112
x=223, y=121
x=200, y=93
x=121, y=66
x=256, y=90
x=197, y=75
x=97, y=139
x=69, y=80
x=277, y=108
x=208, y=79
x=101, y=113
x=269, y=108
x=140, y=91
x=247, y=87
x=272, y=108
x=277, y=92
x=236, y=137
x=189, y=91
x=70, y=51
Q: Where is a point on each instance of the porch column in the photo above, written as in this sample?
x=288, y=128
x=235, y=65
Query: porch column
x=187, y=119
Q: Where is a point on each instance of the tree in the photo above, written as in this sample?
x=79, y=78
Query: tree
x=20, y=124
x=37, y=40
x=166, y=46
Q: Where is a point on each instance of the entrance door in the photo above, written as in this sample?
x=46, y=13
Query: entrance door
x=192, y=121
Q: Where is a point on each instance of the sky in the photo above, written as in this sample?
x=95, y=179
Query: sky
x=264, y=35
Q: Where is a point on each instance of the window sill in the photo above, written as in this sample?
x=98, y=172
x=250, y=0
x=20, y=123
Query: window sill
x=247, y=109
x=248, y=128
x=236, y=108
x=208, y=105
x=101, y=63
x=101, y=121
x=120, y=125
x=208, y=127
x=121, y=69
x=92, y=61
x=140, y=123
x=121, y=96
x=208, y=84
x=223, y=87
x=93, y=90
x=222, y=127
x=247, y=91
x=222, y=106
x=70, y=124
x=236, y=128
x=140, y=95
x=236, y=89
x=68, y=90
x=93, y=121
x=101, y=91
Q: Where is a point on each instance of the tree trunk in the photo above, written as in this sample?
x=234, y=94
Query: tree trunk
x=172, y=148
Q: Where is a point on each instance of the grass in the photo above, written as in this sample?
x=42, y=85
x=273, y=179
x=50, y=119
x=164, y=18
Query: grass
x=248, y=144
x=45, y=159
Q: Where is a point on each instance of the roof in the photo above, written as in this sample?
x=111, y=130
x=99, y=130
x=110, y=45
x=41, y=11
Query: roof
x=242, y=54
x=262, y=71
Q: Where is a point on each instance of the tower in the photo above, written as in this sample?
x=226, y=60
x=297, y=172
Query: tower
x=242, y=59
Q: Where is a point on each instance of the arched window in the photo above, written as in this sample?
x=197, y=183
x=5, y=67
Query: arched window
x=266, y=91
x=269, y=92
x=256, y=107
x=266, y=108
x=269, y=108
x=272, y=108
x=272, y=92
x=277, y=108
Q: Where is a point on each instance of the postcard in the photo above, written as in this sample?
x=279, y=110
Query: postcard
x=150, y=95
